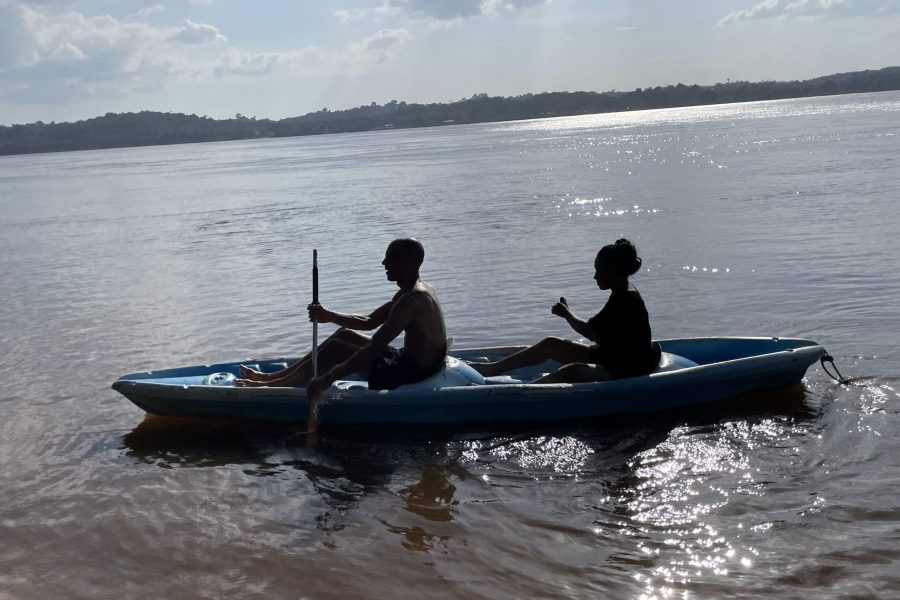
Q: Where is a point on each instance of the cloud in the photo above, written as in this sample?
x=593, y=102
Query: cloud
x=438, y=13
x=51, y=55
x=147, y=12
x=378, y=47
x=15, y=34
x=67, y=52
x=70, y=57
x=441, y=10
x=769, y=9
x=42, y=3
x=353, y=14
x=448, y=10
x=261, y=64
x=199, y=33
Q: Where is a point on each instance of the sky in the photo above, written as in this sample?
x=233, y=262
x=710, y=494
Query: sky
x=65, y=60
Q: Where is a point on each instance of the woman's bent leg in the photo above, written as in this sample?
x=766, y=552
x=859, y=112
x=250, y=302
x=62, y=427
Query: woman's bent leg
x=576, y=373
x=551, y=348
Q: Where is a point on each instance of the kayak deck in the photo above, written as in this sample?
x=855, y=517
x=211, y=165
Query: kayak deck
x=709, y=369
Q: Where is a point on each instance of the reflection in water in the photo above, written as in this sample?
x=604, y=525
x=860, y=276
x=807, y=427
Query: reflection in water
x=650, y=497
x=171, y=442
x=431, y=498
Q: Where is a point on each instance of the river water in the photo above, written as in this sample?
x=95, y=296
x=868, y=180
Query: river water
x=774, y=219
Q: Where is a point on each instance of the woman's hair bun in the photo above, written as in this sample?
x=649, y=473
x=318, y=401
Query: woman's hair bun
x=621, y=256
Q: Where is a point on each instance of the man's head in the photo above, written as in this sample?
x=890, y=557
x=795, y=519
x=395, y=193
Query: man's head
x=403, y=258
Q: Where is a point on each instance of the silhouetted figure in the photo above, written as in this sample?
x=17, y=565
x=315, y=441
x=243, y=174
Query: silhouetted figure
x=620, y=331
x=414, y=311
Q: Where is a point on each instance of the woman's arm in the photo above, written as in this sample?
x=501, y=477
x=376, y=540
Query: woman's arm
x=561, y=309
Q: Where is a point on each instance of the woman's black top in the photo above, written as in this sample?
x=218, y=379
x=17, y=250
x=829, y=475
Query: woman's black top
x=622, y=331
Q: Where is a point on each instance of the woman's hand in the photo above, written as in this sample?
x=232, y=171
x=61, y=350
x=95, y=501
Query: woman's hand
x=561, y=309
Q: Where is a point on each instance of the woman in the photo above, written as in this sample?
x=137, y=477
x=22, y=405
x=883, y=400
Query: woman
x=620, y=331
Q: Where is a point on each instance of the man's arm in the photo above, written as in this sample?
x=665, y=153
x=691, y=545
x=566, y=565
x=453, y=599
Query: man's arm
x=361, y=322
x=398, y=318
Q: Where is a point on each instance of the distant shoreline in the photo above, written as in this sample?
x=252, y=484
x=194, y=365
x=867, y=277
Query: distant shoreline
x=146, y=128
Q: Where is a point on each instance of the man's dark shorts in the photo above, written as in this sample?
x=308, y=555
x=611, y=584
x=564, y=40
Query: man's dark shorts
x=392, y=369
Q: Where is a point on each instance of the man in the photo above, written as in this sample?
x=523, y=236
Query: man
x=414, y=310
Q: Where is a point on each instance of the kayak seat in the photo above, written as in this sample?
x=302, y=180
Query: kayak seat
x=673, y=362
x=454, y=373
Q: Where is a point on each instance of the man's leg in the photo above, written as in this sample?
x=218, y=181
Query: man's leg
x=346, y=335
x=333, y=351
x=551, y=348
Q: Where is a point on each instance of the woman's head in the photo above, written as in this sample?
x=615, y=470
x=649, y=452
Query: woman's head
x=615, y=263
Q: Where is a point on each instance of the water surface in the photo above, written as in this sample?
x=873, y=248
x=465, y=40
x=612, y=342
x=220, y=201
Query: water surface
x=773, y=218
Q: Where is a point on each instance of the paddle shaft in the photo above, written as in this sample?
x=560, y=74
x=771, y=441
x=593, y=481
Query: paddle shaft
x=315, y=351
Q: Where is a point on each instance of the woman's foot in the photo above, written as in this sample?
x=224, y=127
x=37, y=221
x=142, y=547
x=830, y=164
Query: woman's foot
x=486, y=369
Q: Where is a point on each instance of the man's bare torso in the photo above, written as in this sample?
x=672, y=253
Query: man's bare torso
x=425, y=336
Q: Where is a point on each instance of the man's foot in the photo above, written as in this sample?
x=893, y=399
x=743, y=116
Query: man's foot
x=254, y=375
x=247, y=373
x=249, y=383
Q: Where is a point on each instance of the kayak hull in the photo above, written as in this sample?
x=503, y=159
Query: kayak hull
x=725, y=367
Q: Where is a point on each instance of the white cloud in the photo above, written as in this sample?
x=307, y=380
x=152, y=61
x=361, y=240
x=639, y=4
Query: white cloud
x=66, y=52
x=53, y=55
x=199, y=33
x=378, y=47
x=448, y=10
x=810, y=8
x=260, y=64
x=61, y=56
x=510, y=5
x=147, y=12
x=353, y=14
x=378, y=13
x=768, y=8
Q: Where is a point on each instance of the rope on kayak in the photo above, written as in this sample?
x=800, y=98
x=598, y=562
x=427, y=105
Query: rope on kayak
x=827, y=358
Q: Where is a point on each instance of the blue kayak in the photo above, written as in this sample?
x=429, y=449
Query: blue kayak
x=692, y=371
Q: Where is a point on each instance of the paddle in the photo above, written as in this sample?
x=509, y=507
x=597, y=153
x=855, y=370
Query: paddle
x=313, y=420
x=315, y=277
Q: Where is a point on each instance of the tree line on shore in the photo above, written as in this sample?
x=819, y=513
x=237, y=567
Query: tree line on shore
x=147, y=128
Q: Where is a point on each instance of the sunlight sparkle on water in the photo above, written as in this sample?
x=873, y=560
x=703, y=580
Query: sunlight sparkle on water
x=688, y=114
x=558, y=455
x=696, y=269
x=678, y=487
x=598, y=207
